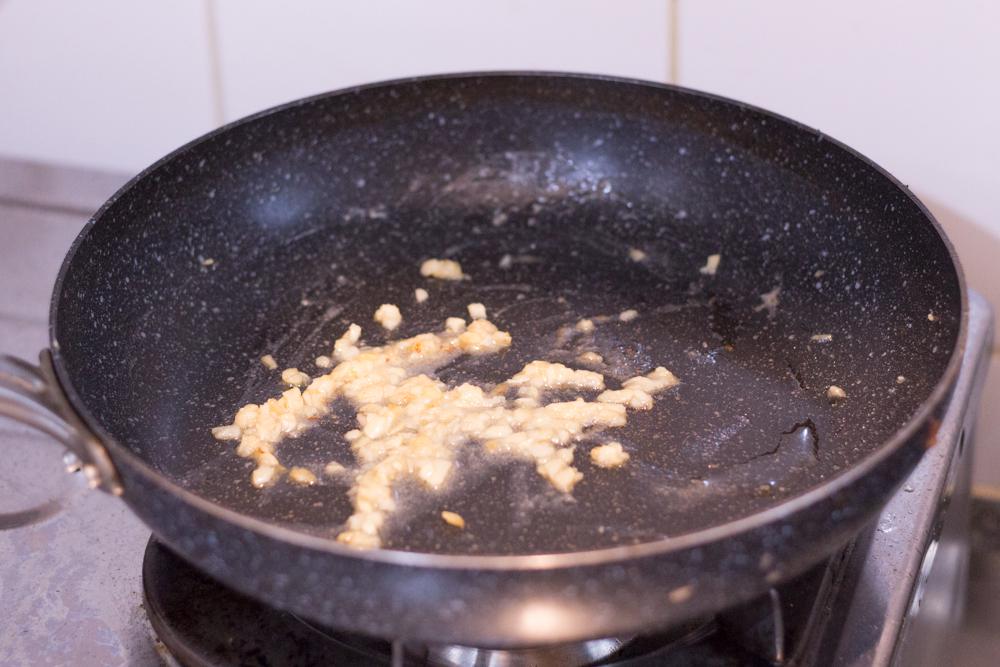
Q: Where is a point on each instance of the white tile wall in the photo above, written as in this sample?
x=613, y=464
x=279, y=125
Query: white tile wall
x=912, y=84
x=118, y=83
x=272, y=53
x=107, y=83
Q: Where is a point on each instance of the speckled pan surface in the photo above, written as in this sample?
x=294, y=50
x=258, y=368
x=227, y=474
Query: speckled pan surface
x=316, y=213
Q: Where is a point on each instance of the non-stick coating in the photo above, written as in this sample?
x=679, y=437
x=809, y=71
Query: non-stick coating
x=316, y=214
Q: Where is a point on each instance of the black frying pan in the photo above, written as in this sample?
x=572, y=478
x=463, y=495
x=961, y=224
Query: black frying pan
x=316, y=212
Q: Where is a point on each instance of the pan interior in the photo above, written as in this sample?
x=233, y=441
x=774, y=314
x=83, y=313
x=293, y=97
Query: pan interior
x=272, y=236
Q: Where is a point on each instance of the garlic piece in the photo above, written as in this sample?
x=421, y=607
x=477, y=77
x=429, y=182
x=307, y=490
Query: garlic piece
x=637, y=392
x=388, y=316
x=263, y=476
x=333, y=468
x=345, y=348
x=711, y=265
x=227, y=432
x=477, y=311
x=294, y=377
x=835, y=393
x=610, y=455
x=546, y=375
x=443, y=269
x=633, y=398
x=302, y=476
x=628, y=315
x=482, y=337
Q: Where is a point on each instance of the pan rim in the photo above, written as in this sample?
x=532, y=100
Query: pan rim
x=525, y=562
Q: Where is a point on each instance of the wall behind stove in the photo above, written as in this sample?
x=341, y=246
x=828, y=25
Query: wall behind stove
x=118, y=83
x=115, y=84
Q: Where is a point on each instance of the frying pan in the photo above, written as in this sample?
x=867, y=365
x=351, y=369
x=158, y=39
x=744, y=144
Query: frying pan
x=272, y=234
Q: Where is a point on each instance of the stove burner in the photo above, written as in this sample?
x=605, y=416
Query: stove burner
x=581, y=653
x=204, y=624
x=592, y=652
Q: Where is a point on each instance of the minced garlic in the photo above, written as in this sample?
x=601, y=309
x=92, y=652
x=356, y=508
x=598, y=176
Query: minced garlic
x=633, y=398
x=477, y=311
x=323, y=361
x=388, y=316
x=443, y=269
x=543, y=375
x=835, y=393
x=453, y=519
x=294, y=377
x=412, y=425
x=269, y=362
x=263, y=475
x=610, y=455
x=590, y=358
x=420, y=294
x=333, y=468
x=637, y=393
x=628, y=315
x=302, y=476
x=636, y=255
x=482, y=337
x=227, y=432
x=711, y=265
x=345, y=348
x=585, y=326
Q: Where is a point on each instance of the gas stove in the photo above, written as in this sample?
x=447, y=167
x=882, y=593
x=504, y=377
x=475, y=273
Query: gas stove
x=82, y=582
x=201, y=623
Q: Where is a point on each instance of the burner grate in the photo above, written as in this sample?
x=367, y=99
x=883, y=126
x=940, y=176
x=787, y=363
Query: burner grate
x=204, y=624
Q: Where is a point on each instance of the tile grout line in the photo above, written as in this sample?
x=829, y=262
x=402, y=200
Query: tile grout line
x=214, y=62
x=673, y=42
x=79, y=212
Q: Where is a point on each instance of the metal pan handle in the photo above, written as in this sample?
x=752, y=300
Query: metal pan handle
x=31, y=395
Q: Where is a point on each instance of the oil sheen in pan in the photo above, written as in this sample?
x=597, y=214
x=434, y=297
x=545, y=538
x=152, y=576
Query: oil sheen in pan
x=722, y=434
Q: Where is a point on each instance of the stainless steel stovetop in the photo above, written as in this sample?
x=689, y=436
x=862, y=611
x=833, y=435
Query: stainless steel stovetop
x=71, y=559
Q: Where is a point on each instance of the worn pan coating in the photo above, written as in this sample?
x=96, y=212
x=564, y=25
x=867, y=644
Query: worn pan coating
x=314, y=213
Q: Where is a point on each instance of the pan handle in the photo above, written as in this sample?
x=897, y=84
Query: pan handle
x=31, y=395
